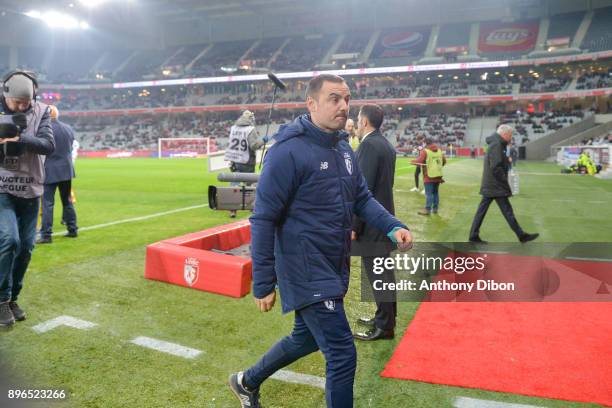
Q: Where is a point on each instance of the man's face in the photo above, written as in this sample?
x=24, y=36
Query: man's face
x=18, y=104
x=329, y=109
x=507, y=136
x=350, y=127
x=361, y=123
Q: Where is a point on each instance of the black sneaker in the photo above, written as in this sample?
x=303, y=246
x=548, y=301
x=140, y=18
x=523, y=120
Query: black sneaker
x=477, y=240
x=248, y=399
x=7, y=319
x=44, y=240
x=18, y=312
x=71, y=234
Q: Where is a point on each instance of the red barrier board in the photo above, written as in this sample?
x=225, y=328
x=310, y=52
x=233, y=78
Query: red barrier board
x=189, y=261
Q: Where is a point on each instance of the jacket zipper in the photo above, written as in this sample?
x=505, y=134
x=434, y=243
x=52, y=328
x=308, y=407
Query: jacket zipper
x=338, y=170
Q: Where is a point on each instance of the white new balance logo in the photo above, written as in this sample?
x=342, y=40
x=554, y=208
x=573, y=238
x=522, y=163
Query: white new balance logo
x=324, y=165
x=245, y=400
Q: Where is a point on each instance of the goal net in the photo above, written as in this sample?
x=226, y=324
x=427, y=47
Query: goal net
x=216, y=160
x=184, y=147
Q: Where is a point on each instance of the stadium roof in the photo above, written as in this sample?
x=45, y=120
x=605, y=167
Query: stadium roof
x=122, y=13
x=133, y=21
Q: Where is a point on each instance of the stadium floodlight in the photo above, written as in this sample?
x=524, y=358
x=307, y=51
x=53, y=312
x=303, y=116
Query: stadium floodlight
x=91, y=3
x=34, y=14
x=55, y=19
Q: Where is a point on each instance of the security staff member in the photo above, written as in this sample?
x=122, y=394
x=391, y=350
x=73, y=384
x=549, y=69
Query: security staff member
x=22, y=174
x=59, y=172
x=310, y=187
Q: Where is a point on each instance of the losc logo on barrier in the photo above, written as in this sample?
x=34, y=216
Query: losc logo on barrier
x=191, y=271
x=506, y=37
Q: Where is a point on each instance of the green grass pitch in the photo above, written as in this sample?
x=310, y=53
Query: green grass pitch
x=99, y=277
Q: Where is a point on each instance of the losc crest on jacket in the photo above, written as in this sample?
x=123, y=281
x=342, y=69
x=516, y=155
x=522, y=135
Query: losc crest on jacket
x=306, y=196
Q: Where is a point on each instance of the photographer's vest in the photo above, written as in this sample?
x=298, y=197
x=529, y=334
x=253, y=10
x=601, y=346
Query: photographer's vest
x=22, y=175
x=434, y=163
x=238, y=149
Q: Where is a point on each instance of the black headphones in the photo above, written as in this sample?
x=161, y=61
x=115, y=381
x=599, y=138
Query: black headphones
x=30, y=75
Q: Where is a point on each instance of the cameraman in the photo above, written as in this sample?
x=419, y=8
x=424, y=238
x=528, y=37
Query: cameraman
x=244, y=141
x=25, y=138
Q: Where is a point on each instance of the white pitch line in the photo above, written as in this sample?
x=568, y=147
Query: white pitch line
x=166, y=347
x=464, y=402
x=577, y=258
x=63, y=321
x=297, y=378
x=144, y=217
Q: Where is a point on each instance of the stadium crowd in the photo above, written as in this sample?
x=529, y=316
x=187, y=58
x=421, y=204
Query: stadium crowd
x=377, y=87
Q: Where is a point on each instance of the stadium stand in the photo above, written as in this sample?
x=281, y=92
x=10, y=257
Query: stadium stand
x=221, y=55
x=354, y=42
x=454, y=35
x=443, y=129
x=530, y=127
x=303, y=53
x=262, y=54
x=599, y=35
x=595, y=80
x=564, y=25
x=187, y=54
x=394, y=46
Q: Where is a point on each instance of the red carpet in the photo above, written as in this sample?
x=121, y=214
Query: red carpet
x=550, y=350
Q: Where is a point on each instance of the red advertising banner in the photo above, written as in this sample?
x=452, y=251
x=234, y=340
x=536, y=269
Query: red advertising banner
x=502, y=37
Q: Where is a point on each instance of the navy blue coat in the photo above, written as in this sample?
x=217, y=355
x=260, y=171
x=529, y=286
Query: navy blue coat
x=308, y=191
x=58, y=165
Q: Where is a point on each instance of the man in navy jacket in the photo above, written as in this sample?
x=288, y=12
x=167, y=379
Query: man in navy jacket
x=59, y=172
x=310, y=187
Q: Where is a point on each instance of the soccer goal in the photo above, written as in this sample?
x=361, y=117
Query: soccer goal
x=216, y=160
x=183, y=147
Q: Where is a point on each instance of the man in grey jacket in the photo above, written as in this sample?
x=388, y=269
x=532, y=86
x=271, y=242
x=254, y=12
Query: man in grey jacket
x=23, y=145
x=244, y=141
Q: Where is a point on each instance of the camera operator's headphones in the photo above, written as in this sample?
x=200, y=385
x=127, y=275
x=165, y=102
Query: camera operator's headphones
x=30, y=75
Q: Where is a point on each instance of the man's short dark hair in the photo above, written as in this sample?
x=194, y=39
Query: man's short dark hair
x=315, y=84
x=373, y=113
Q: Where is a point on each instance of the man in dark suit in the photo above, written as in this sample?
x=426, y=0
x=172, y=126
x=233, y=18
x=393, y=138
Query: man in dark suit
x=494, y=186
x=376, y=158
x=59, y=172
